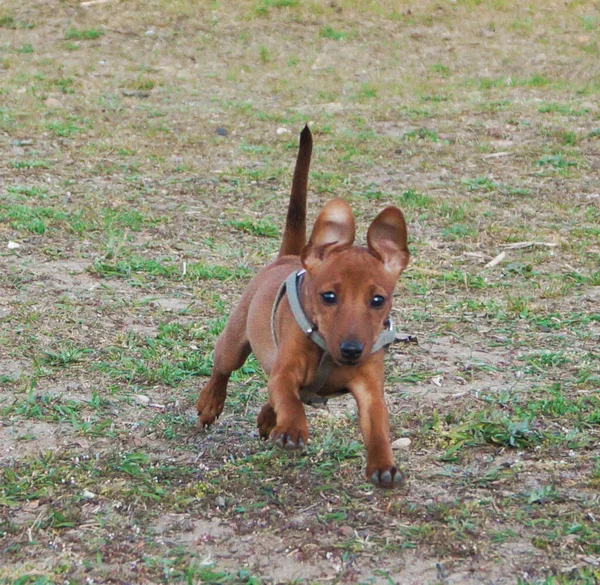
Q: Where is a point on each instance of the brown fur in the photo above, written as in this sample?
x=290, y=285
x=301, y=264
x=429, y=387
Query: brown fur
x=355, y=275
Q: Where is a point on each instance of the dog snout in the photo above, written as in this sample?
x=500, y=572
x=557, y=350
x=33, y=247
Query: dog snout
x=351, y=350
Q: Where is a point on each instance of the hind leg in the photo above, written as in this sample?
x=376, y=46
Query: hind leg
x=231, y=351
x=267, y=419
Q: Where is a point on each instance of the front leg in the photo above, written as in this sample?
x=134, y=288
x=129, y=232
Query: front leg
x=291, y=428
x=373, y=416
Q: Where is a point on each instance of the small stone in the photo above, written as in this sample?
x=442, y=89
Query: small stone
x=53, y=103
x=13, y=245
x=88, y=495
x=220, y=502
x=282, y=130
x=141, y=399
x=403, y=443
x=222, y=131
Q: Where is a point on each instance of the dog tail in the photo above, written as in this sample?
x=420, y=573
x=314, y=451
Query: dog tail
x=294, y=234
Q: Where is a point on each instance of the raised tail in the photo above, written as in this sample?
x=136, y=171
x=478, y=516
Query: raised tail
x=294, y=234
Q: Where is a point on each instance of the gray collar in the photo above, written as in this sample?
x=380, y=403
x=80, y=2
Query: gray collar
x=291, y=286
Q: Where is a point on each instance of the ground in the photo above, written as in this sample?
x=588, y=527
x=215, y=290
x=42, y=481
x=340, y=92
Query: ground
x=146, y=157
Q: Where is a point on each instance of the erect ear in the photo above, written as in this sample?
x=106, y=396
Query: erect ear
x=387, y=239
x=333, y=229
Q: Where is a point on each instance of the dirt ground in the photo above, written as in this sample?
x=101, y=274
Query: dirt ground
x=146, y=151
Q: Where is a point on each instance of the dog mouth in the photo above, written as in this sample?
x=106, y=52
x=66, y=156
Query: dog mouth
x=347, y=362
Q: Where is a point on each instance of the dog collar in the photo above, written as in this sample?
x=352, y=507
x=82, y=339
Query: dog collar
x=291, y=286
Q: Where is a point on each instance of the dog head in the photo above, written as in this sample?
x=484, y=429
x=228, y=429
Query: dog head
x=349, y=288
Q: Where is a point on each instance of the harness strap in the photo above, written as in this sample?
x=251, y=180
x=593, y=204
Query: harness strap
x=308, y=394
x=292, y=284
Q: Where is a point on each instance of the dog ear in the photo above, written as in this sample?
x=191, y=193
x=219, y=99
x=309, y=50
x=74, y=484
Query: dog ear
x=387, y=239
x=333, y=229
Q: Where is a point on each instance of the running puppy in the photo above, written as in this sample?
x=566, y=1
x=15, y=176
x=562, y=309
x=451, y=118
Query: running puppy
x=317, y=319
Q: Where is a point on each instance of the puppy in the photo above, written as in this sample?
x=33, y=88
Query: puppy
x=317, y=319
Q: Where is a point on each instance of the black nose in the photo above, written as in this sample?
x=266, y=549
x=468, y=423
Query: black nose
x=351, y=350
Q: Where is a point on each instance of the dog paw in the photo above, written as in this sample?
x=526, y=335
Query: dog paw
x=387, y=477
x=208, y=409
x=289, y=440
x=266, y=421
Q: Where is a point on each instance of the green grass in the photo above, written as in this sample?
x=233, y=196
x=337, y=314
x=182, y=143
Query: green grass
x=37, y=192
x=421, y=134
x=32, y=219
x=565, y=109
x=63, y=129
x=73, y=33
x=262, y=6
x=557, y=161
x=328, y=32
x=166, y=269
x=33, y=163
x=263, y=227
x=26, y=49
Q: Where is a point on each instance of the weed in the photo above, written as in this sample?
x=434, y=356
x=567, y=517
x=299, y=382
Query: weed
x=567, y=110
x=440, y=69
x=557, y=161
x=327, y=32
x=26, y=49
x=33, y=163
x=421, y=134
x=262, y=7
x=367, y=91
x=165, y=269
x=262, y=227
x=412, y=198
x=480, y=184
x=264, y=54
x=63, y=129
x=65, y=355
x=73, y=33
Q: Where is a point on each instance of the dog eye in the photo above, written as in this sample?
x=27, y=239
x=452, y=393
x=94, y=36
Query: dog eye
x=329, y=297
x=377, y=301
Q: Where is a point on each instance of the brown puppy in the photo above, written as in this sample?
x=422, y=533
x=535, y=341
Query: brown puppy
x=322, y=333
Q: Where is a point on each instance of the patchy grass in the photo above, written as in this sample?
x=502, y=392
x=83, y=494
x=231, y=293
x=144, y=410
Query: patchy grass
x=82, y=34
x=147, y=170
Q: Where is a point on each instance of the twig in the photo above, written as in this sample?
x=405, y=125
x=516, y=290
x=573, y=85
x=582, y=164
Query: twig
x=495, y=261
x=518, y=245
x=496, y=154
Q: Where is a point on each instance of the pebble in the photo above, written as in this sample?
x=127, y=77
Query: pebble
x=142, y=399
x=403, y=443
x=52, y=103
